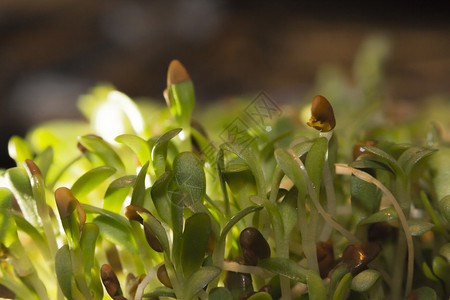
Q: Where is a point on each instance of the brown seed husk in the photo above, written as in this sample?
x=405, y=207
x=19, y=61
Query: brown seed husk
x=253, y=245
x=163, y=277
x=322, y=114
x=65, y=201
x=110, y=281
x=356, y=257
x=177, y=73
x=34, y=169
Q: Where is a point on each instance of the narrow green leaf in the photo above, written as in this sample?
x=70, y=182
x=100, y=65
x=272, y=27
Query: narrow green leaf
x=199, y=280
x=425, y=293
x=342, y=287
x=315, y=160
x=444, y=205
x=419, y=227
x=220, y=293
x=381, y=216
x=316, y=287
x=290, y=167
x=288, y=213
x=412, y=156
x=386, y=158
x=428, y=273
x=365, y=280
x=63, y=268
x=247, y=155
x=7, y=229
x=159, y=151
x=160, y=196
x=302, y=148
x=104, y=151
x=445, y=251
x=116, y=232
x=365, y=162
x=195, y=240
x=182, y=98
x=236, y=218
x=89, y=209
x=284, y=267
x=365, y=198
x=260, y=296
x=161, y=291
x=19, y=184
x=190, y=178
x=441, y=268
x=44, y=160
x=87, y=243
x=138, y=195
x=25, y=226
x=90, y=180
x=19, y=150
x=117, y=192
x=137, y=144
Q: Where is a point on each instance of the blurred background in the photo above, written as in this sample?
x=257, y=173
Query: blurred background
x=52, y=51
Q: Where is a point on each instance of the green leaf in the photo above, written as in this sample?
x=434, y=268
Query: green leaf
x=301, y=148
x=428, y=273
x=44, y=160
x=315, y=160
x=8, y=231
x=220, y=293
x=199, y=280
x=342, y=287
x=160, y=196
x=365, y=198
x=197, y=230
x=25, y=226
x=137, y=144
x=290, y=167
x=159, y=151
x=381, y=216
x=19, y=184
x=412, y=156
x=444, y=205
x=284, y=267
x=316, y=287
x=365, y=280
x=441, y=268
x=117, y=192
x=161, y=291
x=425, y=293
x=260, y=296
x=182, y=99
x=445, y=251
x=138, y=195
x=63, y=269
x=247, y=155
x=189, y=175
x=365, y=162
x=440, y=167
x=288, y=213
x=419, y=227
x=87, y=243
x=104, y=151
x=90, y=180
x=109, y=214
x=385, y=158
x=116, y=232
x=19, y=150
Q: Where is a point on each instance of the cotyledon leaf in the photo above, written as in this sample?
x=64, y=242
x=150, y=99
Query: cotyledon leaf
x=90, y=180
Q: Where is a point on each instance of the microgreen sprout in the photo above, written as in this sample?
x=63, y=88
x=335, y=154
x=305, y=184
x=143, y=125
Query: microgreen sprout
x=152, y=209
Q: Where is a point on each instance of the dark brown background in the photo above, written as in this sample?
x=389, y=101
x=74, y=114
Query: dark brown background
x=51, y=51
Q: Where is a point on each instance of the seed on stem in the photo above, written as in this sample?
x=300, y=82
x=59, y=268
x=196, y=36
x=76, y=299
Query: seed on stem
x=322, y=115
